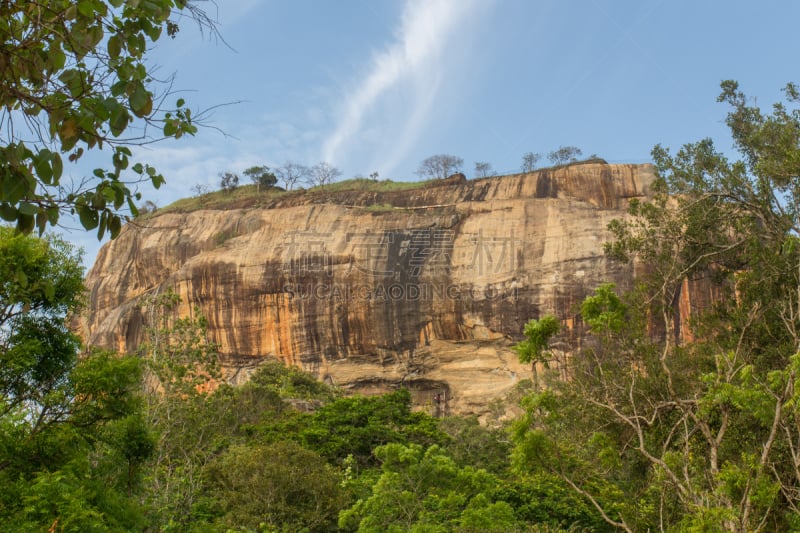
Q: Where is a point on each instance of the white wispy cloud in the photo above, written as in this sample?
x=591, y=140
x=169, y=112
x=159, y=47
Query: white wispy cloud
x=414, y=64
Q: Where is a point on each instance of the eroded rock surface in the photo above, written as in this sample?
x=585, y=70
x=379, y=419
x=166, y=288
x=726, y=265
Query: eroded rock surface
x=368, y=290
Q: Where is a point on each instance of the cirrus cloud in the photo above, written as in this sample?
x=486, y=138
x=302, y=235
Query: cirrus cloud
x=405, y=77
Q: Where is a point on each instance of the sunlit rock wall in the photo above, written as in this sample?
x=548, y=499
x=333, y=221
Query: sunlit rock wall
x=429, y=292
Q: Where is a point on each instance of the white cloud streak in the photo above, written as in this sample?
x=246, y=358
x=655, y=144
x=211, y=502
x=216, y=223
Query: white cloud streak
x=416, y=63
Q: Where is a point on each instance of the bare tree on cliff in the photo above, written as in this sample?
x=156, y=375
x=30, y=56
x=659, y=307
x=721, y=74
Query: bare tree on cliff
x=322, y=174
x=440, y=166
x=147, y=207
x=529, y=161
x=228, y=181
x=483, y=169
x=199, y=189
x=290, y=173
x=564, y=155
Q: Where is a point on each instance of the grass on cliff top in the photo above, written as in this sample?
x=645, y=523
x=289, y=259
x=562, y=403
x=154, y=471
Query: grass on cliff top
x=247, y=195
x=221, y=199
x=366, y=184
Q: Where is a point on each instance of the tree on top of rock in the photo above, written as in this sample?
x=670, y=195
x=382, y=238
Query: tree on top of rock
x=564, y=155
x=529, y=160
x=290, y=173
x=440, y=166
x=322, y=174
x=228, y=181
x=483, y=169
x=261, y=176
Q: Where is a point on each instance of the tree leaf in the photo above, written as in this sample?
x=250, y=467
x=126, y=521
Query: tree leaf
x=58, y=167
x=86, y=8
x=42, y=162
x=8, y=212
x=25, y=223
x=26, y=208
x=114, y=47
x=15, y=188
x=87, y=216
x=141, y=101
x=114, y=226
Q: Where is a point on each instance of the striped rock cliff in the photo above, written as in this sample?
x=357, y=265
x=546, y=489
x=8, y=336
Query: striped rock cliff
x=426, y=288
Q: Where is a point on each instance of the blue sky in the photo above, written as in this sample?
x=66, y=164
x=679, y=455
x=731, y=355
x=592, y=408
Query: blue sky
x=379, y=85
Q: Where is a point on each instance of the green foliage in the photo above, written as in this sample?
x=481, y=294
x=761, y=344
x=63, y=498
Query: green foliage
x=57, y=411
x=176, y=351
x=65, y=500
x=529, y=160
x=564, y=155
x=191, y=431
x=440, y=166
x=424, y=490
x=691, y=425
x=180, y=364
x=195, y=430
x=547, y=501
x=130, y=444
x=353, y=427
x=262, y=177
x=40, y=284
x=290, y=382
x=44, y=464
x=73, y=78
x=37, y=276
x=604, y=312
x=228, y=181
x=275, y=487
x=538, y=333
x=475, y=445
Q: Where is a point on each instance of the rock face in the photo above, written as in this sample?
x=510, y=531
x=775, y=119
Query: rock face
x=426, y=287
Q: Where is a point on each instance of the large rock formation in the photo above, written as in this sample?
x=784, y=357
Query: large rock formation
x=427, y=287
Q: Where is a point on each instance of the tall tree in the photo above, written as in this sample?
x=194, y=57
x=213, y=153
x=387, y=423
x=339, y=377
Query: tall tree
x=261, y=176
x=674, y=425
x=564, y=155
x=529, y=160
x=322, y=174
x=282, y=486
x=290, y=173
x=181, y=366
x=228, y=181
x=424, y=490
x=74, y=78
x=71, y=432
x=483, y=169
x=440, y=166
